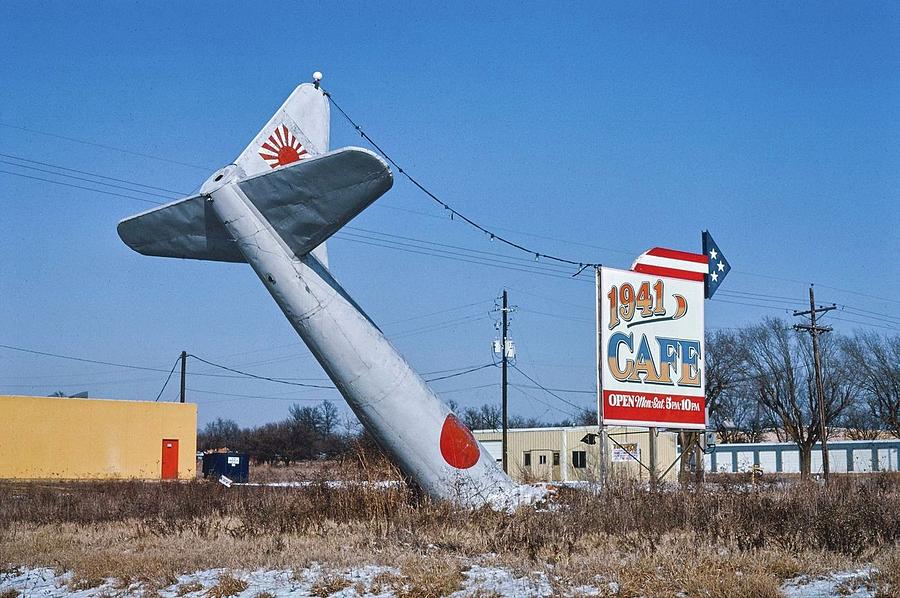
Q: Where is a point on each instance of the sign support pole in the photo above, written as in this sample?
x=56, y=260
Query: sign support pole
x=654, y=468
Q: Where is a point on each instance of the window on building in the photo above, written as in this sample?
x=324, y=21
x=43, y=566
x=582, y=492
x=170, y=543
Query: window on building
x=556, y=459
x=542, y=459
x=579, y=459
x=527, y=459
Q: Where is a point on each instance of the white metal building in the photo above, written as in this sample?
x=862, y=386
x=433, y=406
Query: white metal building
x=844, y=456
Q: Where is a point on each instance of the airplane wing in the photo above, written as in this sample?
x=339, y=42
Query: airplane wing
x=305, y=203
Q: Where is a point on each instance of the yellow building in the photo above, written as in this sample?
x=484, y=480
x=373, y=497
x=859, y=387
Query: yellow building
x=59, y=438
x=560, y=454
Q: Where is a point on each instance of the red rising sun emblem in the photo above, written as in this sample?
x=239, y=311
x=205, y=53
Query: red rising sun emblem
x=281, y=148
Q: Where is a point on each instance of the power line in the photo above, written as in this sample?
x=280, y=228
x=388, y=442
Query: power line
x=93, y=174
x=107, y=147
x=558, y=316
x=493, y=236
x=114, y=364
x=79, y=383
x=545, y=403
x=469, y=371
x=421, y=246
x=492, y=254
x=863, y=313
x=490, y=264
x=881, y=326
x=570, y=390
x=258, y=377
x=238, y=396
x=437, y=313
x=472, y=254
x=479, y=260
x=630, y=252
x=169, y=377
x=26, y=176
x=82, y=359
x=357, y=238
x=238, y=373
x=467, y=388
x=79, y=178
x=435, y=327
x=547, y=390
x=386, y=324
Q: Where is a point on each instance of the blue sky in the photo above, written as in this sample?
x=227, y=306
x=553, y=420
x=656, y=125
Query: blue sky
x=589, y=131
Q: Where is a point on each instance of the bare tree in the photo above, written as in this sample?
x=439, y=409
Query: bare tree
x=721, y=361
x=330, y=418
x=220, y=433
x=877, y=359
x=309, y=417
x=780, y=364
x=518, y=421
x=486, y=417
x=585, y=417
x=859, y=423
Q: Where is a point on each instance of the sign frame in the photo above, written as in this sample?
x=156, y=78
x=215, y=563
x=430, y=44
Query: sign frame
x=672, y=315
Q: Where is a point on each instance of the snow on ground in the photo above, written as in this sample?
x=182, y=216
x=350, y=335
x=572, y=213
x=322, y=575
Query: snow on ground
x=491, y=580
x=852, y=584
x=332, y=484
x=45, y=583
x=521, y=495
x=373, y=581
x=351, y=583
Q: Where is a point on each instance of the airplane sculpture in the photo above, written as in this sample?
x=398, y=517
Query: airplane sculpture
x=274, y=208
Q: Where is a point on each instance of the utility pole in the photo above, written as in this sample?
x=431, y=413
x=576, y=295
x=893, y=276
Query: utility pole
x=183, y=372
x=815, y=331
x=601, y=427
x=505, y=363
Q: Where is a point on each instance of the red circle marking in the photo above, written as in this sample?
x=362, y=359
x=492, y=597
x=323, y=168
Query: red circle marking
x=286, y=155
x=458, y=447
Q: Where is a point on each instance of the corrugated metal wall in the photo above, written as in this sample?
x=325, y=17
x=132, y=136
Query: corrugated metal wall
x=844, y=456
x=57, y=438
x=558, y=454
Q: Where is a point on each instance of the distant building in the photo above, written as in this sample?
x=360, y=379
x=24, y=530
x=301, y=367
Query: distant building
x=844, y=456
x=78, y=439
x=561, y=454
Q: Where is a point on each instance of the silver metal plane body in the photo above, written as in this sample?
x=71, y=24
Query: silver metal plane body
x=274, y=208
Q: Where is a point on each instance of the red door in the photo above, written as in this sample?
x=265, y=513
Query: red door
x=169, y=459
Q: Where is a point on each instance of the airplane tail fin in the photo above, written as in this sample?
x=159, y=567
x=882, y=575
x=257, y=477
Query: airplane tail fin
x=287, y=172
x=298, y=130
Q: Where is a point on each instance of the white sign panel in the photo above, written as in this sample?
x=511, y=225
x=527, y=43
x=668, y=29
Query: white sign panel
x=651, y=350
x=626, y=452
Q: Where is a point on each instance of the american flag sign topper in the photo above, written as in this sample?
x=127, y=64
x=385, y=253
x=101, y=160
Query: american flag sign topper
x=651, y=341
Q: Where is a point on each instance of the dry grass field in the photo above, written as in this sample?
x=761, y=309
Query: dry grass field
x=724, y=539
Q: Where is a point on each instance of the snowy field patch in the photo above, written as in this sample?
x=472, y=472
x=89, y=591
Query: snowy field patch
x=370, y=581
x=849, y=584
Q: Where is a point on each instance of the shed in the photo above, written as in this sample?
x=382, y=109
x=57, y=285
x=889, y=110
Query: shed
x=86, y=439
